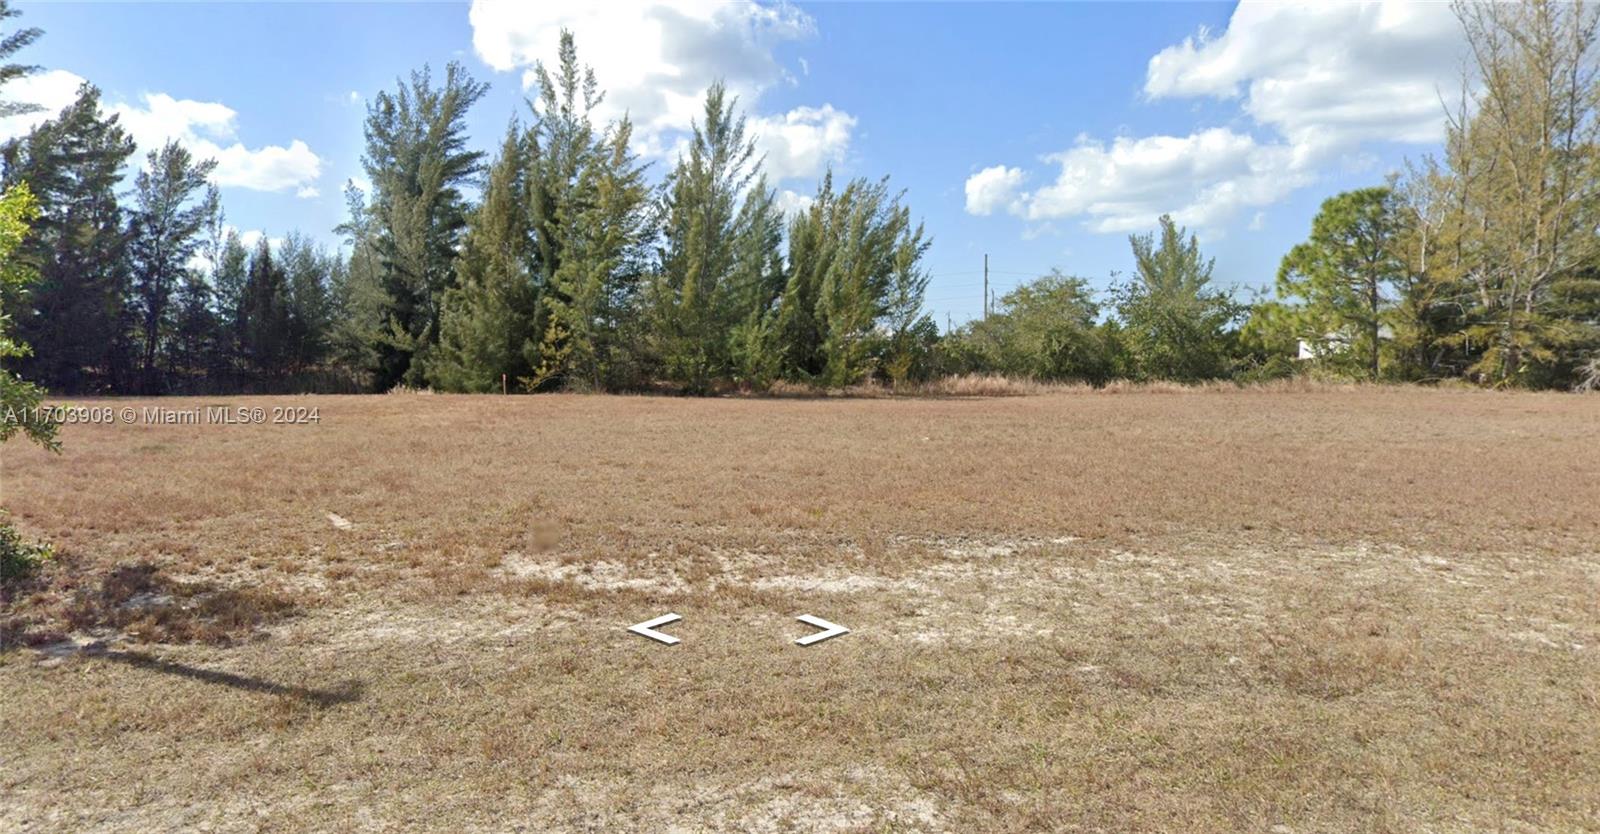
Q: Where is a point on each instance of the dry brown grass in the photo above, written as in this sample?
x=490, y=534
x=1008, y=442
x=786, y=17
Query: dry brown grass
x=1374, y=609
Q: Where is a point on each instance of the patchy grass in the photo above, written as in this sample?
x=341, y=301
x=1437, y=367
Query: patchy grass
x=1371, y=609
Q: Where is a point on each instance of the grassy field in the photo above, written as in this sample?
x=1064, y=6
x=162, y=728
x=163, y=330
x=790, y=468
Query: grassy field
x=1338, y=610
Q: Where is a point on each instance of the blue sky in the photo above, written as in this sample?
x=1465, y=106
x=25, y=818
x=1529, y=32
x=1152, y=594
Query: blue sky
x=1041, y=134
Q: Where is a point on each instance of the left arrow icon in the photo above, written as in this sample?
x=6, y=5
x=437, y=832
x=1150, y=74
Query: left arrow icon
x=648, y=628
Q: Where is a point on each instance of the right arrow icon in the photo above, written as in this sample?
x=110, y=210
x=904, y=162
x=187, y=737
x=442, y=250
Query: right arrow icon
x=828, y=630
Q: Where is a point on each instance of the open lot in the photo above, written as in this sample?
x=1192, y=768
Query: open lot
x=1324, y=610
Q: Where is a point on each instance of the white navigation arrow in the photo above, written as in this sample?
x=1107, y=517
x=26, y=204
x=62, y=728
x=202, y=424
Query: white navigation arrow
x=648, y=628
x=828, y=630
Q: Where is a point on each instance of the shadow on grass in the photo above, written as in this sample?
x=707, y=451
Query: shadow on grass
x=345, y=693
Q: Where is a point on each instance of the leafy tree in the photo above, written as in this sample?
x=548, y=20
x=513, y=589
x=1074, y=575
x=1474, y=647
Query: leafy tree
x=1347, y=272
x=418, y=160
x=78, y=246
x=1174, y=322
x=1045, y=329
x=174, y=204
x=19, y=400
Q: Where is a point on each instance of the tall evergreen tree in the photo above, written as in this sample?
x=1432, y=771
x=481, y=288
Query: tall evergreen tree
x=196, y=345
x=77, y=247
x=589, y=208
x=11, y=43
x=693, y=298
x=418, y=160
x=309, y=271
x=1522, y=153
x=174, y=205
x=488, y=326
x=266, y=329
x=358, y=299
x=1347, y=273
x=1176, y=323
x=852, y=302
x=592, y=298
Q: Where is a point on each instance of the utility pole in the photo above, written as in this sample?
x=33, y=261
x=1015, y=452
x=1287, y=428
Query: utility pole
x=986, y=286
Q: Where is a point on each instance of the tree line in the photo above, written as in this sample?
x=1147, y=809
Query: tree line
x=555, y=263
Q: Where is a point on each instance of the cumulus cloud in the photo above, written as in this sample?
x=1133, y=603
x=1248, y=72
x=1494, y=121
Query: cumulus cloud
x=1316, y=80
x=993, y=188
x=51, y=91
x=1202, y=179
x=203, y=127
x=207, y=128
x=791, y=203
x=655, y=61
x=802, y=142
x=1324, y=75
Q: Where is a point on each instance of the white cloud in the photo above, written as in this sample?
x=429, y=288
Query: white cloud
x=791, y=203
x=1319, y=79
x=201, y=126
x=51, y=91
x=993, y=188
x=655, y=60
x=802, y=142
x=1325, y=76
x=1202, y=179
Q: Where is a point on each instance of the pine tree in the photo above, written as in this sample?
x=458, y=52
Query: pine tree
x=266, y=335
x=757, y=282
x=174, y=206
x=230, y=270
x=309, y=270
x=360, y=305
x=1347, y=274
x=694, y=298
x=593, y=294
x=852, y=301
x=10, y=44
x=77, y=247
x=417, y=159
x=1176, y=324
x=195, y=344
x=488, y=329
x=1522, y=153
x=589, y=208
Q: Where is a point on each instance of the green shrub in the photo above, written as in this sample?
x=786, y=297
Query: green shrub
x=18, y=557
